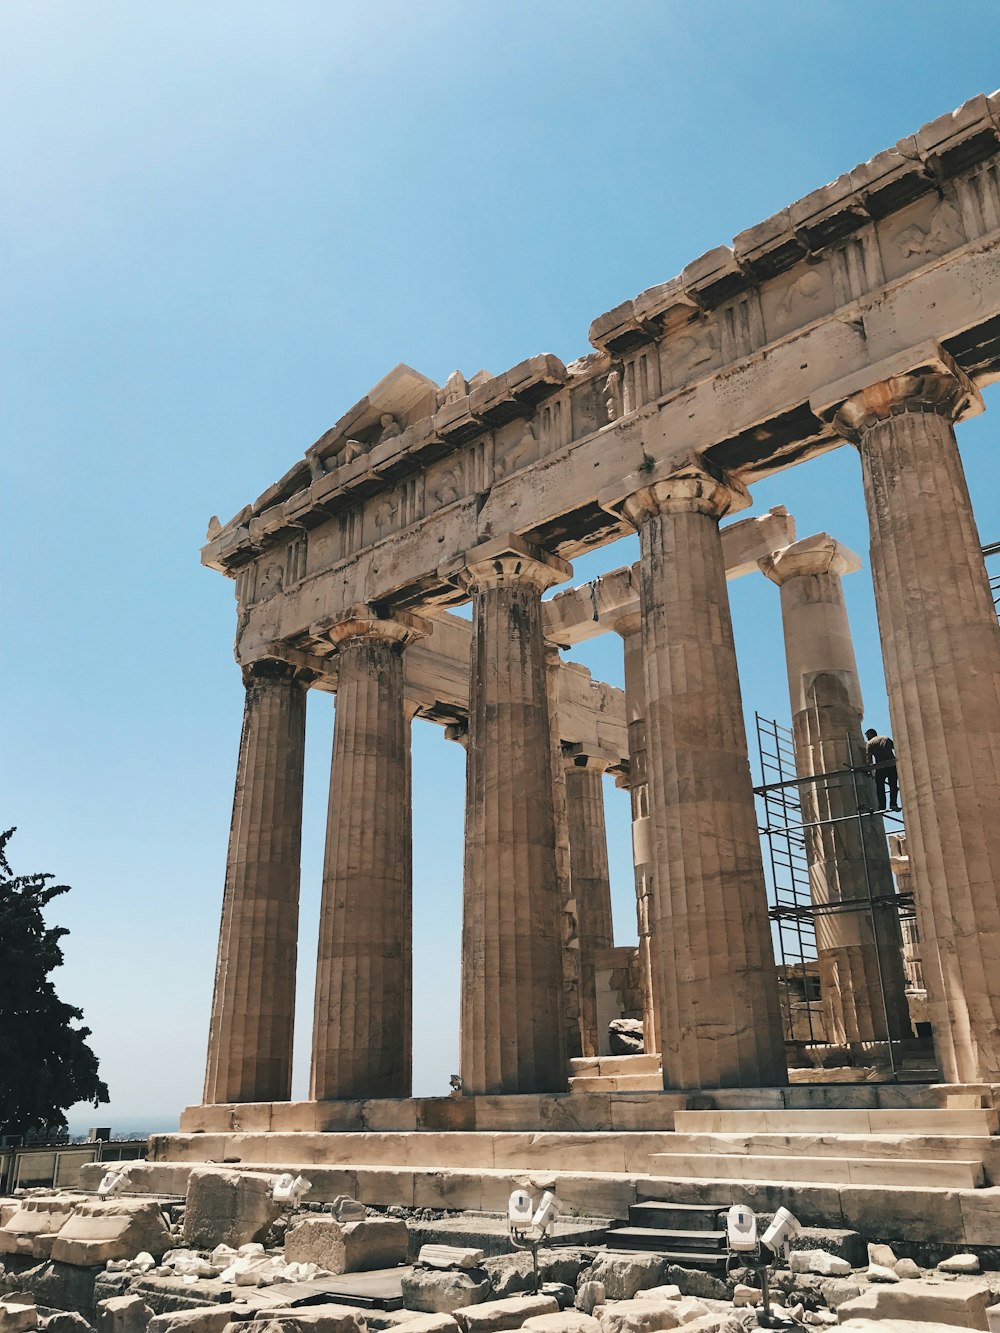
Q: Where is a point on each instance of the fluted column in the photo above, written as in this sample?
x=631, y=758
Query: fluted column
x=589, y=877
x=715, y=982
x=859, y=951
x=630, y=629
x=361, y=1022
x=572, y=1020
x=513, y=1038
x=253, y=1011
x=941, y=648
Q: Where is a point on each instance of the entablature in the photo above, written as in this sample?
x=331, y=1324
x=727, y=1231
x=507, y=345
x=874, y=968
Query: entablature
x=723, y=360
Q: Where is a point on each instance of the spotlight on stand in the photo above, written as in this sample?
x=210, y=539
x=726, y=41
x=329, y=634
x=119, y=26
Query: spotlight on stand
x=747, y=1251
x=290, y=1189
x=112, y=1182
x=531, y=1214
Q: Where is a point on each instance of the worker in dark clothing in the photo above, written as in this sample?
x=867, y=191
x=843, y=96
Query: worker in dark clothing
x=881, y=755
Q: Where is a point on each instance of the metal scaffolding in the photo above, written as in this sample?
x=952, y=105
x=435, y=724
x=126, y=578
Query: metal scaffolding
x=784, y=830
x=784, y=837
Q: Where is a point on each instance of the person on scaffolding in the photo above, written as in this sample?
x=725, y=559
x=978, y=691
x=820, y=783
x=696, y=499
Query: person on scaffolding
x=881, y=755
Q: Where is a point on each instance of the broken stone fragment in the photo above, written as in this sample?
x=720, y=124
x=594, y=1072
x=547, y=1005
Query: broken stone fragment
x=744, y=1295
x=347, y=1247
x=65, y=1321
x=637, y=1316
x=316, y=1319
x=818, y=1261
x=625, y=1036
x=16, y=1317
x=564, y=1321
x=836, y=1291
x=450, y=1256
x=228, y=1207
x=907, y=1268
x=123, y=1314
x=959, y=1263
x=346, y=1209
x=201, y=1319
x=497, y=1316
x=30, y=1226
x=252, y=1270
x=879, y=1273
x=437, y=1291
x=689, y=1308
x=670, y=1292
x=103, y=1229
x=933, y=1304
x=431, y=1323
x=624, y=1275
x=882, y=1255
x=589, y=1295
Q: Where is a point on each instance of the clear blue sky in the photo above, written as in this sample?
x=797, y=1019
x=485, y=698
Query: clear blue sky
x=221, y=223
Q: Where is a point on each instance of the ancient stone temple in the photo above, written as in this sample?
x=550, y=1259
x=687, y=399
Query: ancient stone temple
x=865, y=315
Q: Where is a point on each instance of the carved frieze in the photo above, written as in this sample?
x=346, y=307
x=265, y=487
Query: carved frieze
x=926, y=230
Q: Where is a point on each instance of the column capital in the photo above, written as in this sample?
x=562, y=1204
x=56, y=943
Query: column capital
x=271, y=671
x=507, y=561
x=581, y=754
x=363, y=621
x=925, y=378
x=628, y=624
x=458, y=732
x=698, y=486
x=819, y=554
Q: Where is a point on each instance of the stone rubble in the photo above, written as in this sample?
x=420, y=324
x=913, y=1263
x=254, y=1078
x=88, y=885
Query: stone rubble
x=448, y=1289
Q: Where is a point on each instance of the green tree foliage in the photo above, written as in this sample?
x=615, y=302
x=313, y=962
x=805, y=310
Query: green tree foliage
x=46, y=1065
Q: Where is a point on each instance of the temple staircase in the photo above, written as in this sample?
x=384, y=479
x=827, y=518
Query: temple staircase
x=944, y=1148
x=885, y=1160
x=690, y=1234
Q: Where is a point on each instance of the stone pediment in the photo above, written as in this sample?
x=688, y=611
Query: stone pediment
x=399, y=399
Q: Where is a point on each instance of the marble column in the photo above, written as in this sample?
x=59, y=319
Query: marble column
x=715, y=982
x=859, y=951
x=630, y=630
x=570, y=940
x=589, y=877
x=361, y=1023
x=941, y=648
x=253, y=1011
x=513, y=1036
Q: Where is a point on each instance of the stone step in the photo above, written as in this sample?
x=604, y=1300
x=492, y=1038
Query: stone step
x=553, y=1111
x=665, y=1243
x=917, y=1212
x=602, y=1066
x=664, y=1216
x=969, y=1147
x=655, y=1238
x=839, y=1121
x=651, y=1082
x=833, y=1170
x=507, y=1113
x=598, y=1150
